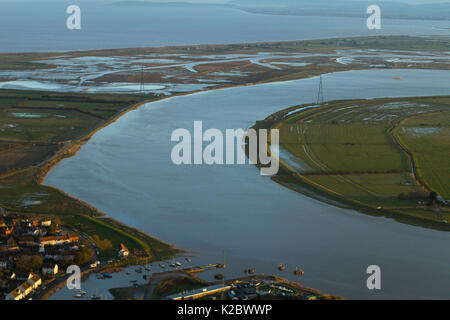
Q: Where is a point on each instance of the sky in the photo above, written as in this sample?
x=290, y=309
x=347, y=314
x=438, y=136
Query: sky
x=219, y=1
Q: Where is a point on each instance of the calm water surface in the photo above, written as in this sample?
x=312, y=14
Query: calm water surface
x=126, y=171
x=39, y=26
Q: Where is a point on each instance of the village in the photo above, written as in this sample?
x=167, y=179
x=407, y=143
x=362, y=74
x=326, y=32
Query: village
x=34, y=251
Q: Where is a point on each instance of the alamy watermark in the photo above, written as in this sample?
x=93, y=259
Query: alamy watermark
x=374, y=20
x=374, y=280
x=210, y=147
x=74, y=280
x=73, y=22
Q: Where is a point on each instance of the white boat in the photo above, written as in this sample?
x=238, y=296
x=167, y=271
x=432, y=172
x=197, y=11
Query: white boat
x=178, y=263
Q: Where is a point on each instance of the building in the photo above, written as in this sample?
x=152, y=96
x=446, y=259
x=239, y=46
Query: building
x=4, y=263
x=123, y=252
x=6, y=231
x=16, y=294
x=33, y=282
x=46, y=223
x=58, y=240
x=26, y=288
x=26, y=241
x=50, y=268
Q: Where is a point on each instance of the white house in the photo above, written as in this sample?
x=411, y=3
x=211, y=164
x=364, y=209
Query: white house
x=50, y=268
x=25, y=288
x=35, y=281
x=123, y=252
x=4, y=263
x=16, y=294
x=46, y=223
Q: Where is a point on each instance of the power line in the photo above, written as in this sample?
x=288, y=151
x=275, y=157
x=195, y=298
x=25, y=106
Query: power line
x=320, y=99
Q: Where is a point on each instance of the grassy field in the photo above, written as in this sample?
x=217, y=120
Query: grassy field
x=37, y=130
x=358, y=152
x=427, y=137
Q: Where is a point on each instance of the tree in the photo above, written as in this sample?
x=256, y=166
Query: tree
x=29, y=263
x=433, y=197
x=104, y=244
x=84, y=256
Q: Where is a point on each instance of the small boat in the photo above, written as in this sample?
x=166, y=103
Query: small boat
x=95, y=297
x=178, y=263
x=81, y=292
x=251, y=271
x=162, y=265
x=139, y=270
x=78, y=295
x=219, y=276
x=281, y=267
x=133, y=281
x=106, y=275
x=128, y=272
x=297, y=271
x=188, y=259
x=147, y=268
x=173, y=265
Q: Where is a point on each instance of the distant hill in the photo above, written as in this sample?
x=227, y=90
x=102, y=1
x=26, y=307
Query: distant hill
x=339, y=8
x=348, y=8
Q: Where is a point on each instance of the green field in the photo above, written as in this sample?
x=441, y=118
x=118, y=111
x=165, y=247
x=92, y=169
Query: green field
x=427, y=137
x=358, y=152
x=37, y=130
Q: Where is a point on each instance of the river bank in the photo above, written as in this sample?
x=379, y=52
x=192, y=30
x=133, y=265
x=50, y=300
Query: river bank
x=204, y=217
x=301, y=173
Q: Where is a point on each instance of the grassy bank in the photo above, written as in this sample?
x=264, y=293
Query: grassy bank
x=357, y=154
x=40, y=129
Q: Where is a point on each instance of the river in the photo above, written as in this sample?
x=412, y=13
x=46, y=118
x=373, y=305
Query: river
x=125, y=170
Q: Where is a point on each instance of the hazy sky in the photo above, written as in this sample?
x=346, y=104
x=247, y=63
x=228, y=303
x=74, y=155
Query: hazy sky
x=214, y=1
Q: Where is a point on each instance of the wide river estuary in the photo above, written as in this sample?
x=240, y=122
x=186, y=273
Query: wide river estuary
x=125, y=170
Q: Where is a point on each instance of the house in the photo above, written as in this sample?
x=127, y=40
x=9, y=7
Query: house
x=6, y=231
x=123, y=252
x=4, y=263
x=34, y=231
x=35, y=281
x=26, y=241
x=26, y=288
x=46, y=223
x=9, y=275
x=16, y=294
x=50, y=268
x=23, y=276
x=58, y=240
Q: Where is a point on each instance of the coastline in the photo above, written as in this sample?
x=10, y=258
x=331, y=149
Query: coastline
x=291, y=179
x=71, y=149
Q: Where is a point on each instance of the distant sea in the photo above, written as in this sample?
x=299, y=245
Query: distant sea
x=42, y=27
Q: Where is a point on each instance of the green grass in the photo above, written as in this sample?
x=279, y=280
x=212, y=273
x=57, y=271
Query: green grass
x=52, y=129
x=426, y=136
x=349, y=150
